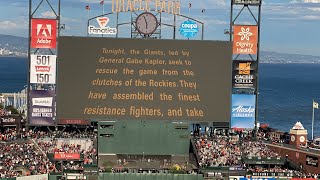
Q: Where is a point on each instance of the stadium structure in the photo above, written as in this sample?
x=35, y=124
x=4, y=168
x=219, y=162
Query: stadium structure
x=138, y=98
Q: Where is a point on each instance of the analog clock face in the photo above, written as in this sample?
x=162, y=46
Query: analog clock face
x=302, y=138
x=293, y=138
x=146, y=23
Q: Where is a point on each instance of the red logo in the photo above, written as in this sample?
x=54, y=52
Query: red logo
x=43, y=33
x=66, y=156
x=102, y=21
x=42, y=68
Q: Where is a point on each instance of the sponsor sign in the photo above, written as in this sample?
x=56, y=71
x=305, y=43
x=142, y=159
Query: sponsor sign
x=34, y=177
x=42, y=109
x=247, y=1
x=311, y=161
x=189, y=29
x=235, y=177
x=10, y=120
x=43, y=69
x=244, y=75
x=74, y=121
x=103, y=29
x=43, y=33
x=257, y=178
x=243, y=111
x=66, y=156
x=245, y=39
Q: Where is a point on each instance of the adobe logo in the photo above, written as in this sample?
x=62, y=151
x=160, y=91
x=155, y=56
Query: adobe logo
x=43, y=33
x=44, y=29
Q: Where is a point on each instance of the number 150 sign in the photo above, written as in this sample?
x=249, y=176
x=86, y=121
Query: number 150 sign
x=43, y=69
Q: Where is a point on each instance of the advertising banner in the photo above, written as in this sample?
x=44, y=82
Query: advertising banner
x=43, y=69
x=244, y=74
x=103, y=28
x=311, y=161
x=66, y=156
x=10, y=120
x=243, y=111
x=34, y=177
x=43, y=33
x=257, y=178
x=189, y=29
x=42, y=108
x=74, y=121
x=245, y=39
x=235, y=177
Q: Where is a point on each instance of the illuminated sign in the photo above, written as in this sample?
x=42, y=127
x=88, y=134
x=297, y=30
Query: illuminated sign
x=244, y=74
x=66, y=156
x=103, y=29
x=172, y=7
x=245, y=39
x=189, y=29
x=132, y=79
x=43, y=69
x=42, y=109
x=43, y=33
x=243, y=111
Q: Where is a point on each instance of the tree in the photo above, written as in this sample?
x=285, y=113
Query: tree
x=12, y=109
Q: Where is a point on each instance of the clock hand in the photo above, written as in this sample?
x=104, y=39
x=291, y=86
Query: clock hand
x=146, y=22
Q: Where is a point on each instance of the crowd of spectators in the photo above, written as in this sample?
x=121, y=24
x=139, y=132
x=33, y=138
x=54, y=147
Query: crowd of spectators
x=52, y=146
x=8, y=135
x=218, y=150
x=257, y=149
x=227, y=149
x=19, y=158
x=26, y=152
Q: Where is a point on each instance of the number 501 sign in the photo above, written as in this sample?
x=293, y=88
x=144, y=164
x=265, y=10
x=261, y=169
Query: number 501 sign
x=43, y=69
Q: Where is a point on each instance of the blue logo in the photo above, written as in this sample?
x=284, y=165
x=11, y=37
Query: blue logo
x=189, y=29
x=243, y=111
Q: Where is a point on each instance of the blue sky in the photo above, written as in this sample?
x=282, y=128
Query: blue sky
x=290, y=26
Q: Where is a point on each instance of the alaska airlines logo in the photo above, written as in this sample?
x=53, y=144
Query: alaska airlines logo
x=44, y=30
x=245, y=34
x=243, y=111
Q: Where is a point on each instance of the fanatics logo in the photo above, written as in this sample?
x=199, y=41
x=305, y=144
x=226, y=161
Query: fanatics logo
x=103, y=29
x=43, y=33
x=102, y=21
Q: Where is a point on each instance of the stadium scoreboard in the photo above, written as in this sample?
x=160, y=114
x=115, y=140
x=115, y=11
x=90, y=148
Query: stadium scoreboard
x=143, y=79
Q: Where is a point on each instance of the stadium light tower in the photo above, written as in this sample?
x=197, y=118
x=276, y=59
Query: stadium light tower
x=245, y=18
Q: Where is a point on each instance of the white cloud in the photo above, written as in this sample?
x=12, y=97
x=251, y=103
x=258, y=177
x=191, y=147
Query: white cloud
x=48, y=14
x=311, y=1
x=96, y=1
x=310, y=17
x=8, y=25
x=305, y=1
x=314, y=8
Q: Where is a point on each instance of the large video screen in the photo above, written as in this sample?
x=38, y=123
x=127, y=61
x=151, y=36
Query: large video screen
x=143, y=79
